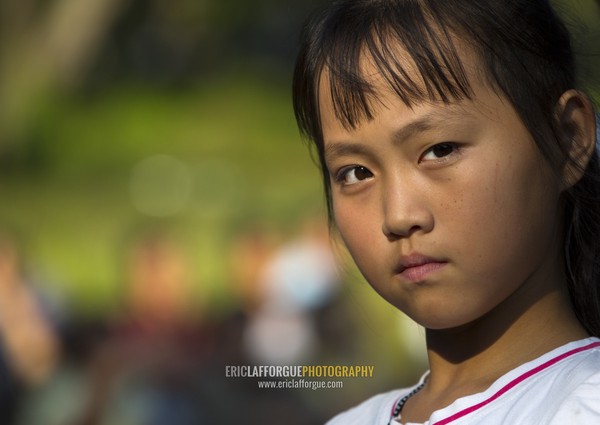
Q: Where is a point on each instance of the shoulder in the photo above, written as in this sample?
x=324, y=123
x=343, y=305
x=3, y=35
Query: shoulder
x=581, y=404
x=561, y=387
x=580, y=368
x=569, y=393
x=374, y=411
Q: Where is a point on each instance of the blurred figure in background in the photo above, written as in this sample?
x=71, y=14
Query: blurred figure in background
x=299, y=279
x=29, y=345
x=250, y=252
x=147, y=370
x=157, y=294
x=285, y=289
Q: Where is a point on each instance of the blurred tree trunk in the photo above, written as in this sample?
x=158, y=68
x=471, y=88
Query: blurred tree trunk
x=43, y=45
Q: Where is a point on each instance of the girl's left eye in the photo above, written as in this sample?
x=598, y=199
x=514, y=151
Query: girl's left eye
x=439, y=151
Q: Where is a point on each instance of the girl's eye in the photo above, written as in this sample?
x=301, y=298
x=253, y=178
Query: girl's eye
x=439, y=151
x=352, y=175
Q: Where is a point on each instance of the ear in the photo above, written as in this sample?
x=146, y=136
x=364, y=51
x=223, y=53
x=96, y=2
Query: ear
x=577, y=122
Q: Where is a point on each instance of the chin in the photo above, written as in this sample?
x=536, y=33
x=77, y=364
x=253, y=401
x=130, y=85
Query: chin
x=438, y=318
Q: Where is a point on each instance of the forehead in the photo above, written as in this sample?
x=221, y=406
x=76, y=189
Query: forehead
x=353, y=96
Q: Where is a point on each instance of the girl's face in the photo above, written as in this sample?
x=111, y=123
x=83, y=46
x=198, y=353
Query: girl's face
x=448, y=210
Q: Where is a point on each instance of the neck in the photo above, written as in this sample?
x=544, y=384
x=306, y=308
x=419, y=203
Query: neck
x=470, y=358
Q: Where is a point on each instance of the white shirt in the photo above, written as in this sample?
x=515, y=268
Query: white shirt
x=561, y=387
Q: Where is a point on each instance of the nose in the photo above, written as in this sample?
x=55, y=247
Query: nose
x=405, y=211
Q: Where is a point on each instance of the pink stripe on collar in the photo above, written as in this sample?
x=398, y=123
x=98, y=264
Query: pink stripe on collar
x=514, y=383
x=393, y=407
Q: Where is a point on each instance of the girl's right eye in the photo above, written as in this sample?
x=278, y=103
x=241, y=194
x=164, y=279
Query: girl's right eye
x=348, y=176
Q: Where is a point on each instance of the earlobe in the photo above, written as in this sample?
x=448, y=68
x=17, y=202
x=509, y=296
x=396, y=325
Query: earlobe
x=578, y=129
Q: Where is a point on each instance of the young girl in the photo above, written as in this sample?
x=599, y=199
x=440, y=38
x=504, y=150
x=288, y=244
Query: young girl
x=460, y=169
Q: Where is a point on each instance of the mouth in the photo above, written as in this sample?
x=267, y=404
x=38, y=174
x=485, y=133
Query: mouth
x=417, y=267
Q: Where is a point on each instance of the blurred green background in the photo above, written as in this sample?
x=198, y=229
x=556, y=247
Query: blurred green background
x=89, y=90
x=122, y=116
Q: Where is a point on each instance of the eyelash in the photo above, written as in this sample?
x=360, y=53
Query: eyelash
x=343, y=173
x=452, y=145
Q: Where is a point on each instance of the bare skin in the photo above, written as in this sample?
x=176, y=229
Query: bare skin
x=468, y=360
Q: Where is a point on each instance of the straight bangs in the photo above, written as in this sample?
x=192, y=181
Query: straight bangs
x=410, y=48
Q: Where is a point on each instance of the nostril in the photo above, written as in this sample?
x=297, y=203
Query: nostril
x=398, y=233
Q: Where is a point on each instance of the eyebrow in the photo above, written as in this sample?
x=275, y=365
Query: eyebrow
x=335, y=150
x=426, y=123
x=419, y=125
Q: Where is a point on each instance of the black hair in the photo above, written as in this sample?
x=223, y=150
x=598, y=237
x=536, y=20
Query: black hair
x=525, y=54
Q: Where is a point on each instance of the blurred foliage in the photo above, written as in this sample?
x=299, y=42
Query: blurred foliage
x=88, y=89
x=74, y=192
x=87, y=94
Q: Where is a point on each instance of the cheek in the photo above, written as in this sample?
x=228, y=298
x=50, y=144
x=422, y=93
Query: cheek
x=359, y=227
x=352, y=222
x=508, y=215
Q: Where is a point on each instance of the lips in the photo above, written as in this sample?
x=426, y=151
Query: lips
x=417, y=267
